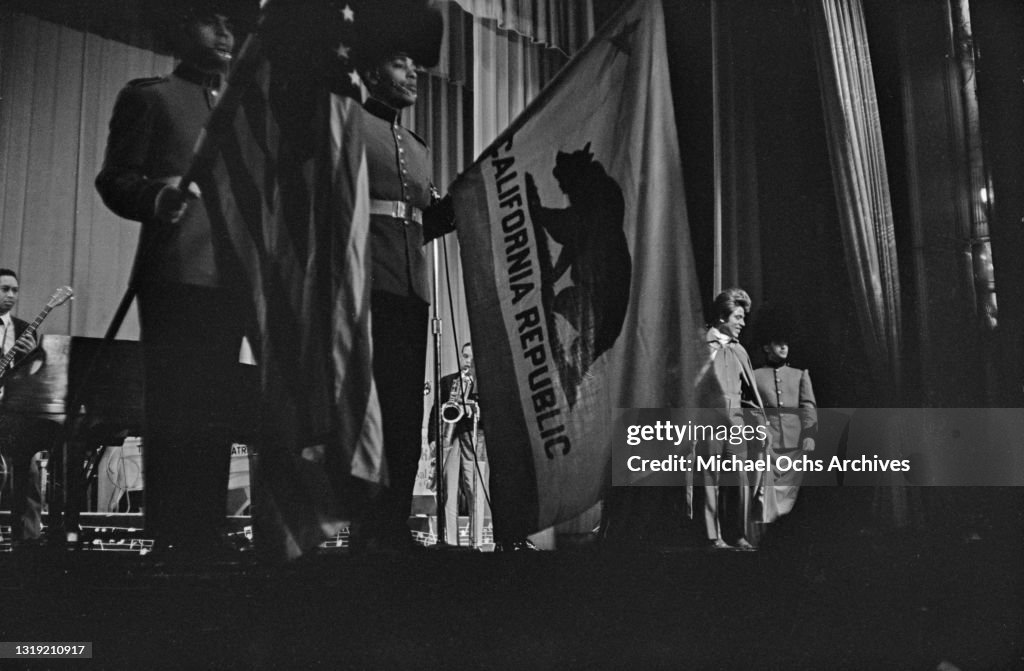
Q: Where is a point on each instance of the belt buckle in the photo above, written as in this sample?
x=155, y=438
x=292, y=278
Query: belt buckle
x=401, y=210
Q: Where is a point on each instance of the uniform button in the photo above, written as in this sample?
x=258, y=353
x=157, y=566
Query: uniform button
x=401, y=150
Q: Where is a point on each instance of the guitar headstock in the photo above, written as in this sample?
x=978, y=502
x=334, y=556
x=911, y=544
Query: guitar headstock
x=60, y=296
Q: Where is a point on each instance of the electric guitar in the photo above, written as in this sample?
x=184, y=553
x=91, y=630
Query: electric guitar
x=59, y=297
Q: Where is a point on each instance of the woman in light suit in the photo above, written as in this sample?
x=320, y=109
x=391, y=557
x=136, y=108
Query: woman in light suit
x=727, y=384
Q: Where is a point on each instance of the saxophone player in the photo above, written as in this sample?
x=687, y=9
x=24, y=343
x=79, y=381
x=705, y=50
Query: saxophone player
x=462, y=449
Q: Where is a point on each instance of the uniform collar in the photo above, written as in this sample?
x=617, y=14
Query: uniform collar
x=191, y=73
x=382, y=110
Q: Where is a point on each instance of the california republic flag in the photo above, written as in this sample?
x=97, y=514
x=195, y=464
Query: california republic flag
x=579, y=272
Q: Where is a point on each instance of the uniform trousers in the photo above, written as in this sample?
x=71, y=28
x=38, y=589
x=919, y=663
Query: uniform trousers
x=399, y=329
x=191, y=336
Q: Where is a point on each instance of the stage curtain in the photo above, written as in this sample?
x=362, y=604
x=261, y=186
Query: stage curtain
x=486, y=76
x=861, y=182
x=58, y=86
x=741, y=228
x=565, y=25
x=57, y=89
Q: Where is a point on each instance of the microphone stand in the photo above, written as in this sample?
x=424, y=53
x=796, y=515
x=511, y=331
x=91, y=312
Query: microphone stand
x=439, y=483
x=439, y=448
x=476, y=511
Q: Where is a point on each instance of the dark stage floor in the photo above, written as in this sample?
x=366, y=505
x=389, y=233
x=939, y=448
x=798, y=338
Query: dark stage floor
x=821, y=594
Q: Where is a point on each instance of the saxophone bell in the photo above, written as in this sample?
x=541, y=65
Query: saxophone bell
x=454, y=408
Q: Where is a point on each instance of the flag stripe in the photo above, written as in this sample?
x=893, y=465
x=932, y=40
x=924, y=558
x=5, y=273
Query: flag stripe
x=360, y=421
x=284, y=175
x=514, y=491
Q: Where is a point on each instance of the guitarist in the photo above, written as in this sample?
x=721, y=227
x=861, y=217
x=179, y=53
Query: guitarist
x=21, y=436
x=12, y=329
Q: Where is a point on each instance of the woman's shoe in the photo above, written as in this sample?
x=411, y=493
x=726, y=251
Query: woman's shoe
x=744, y=545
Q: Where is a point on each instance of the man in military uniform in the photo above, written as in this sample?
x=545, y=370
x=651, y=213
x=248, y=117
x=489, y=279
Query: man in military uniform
x=406, y=213
x=191, y=324
x=792, y=420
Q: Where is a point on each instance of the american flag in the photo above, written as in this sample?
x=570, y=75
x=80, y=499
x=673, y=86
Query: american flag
x=283, y=174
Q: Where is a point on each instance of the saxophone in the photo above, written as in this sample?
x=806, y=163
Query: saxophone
x=455, y=407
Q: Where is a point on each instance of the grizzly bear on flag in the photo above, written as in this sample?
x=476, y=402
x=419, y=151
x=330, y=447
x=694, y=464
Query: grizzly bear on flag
x=594, y=251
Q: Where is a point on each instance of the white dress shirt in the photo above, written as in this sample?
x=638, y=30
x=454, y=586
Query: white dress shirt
x=7, y=335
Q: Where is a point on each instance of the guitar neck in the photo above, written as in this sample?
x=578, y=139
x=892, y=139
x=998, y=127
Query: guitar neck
x=30, y=329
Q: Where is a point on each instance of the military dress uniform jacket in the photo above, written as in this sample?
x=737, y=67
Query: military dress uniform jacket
x=789, y=402
x=399, y=171
x=153, y=133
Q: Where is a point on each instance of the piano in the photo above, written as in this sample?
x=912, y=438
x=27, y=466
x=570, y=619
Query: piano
x=104, y=383
x=44, y=384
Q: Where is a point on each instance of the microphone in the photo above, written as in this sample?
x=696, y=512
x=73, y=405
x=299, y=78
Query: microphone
x=402, y=89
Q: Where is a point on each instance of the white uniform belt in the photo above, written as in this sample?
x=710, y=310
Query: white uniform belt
x=398, y=209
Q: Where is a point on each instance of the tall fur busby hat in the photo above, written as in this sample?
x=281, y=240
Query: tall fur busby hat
x=168, y=17
x=305, y=36
x=386, y=27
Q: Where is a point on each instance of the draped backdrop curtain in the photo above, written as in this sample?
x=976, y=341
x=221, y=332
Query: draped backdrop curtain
x=565, y=25
x=496, y=57
x=740, y=210
x=861, y=182
x=58, y=85
x=57, y=88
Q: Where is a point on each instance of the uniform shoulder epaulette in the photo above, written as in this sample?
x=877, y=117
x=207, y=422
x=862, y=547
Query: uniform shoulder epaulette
x=144, y=81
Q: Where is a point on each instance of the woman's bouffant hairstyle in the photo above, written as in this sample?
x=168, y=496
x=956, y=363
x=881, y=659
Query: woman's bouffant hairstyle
x=730, y=299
